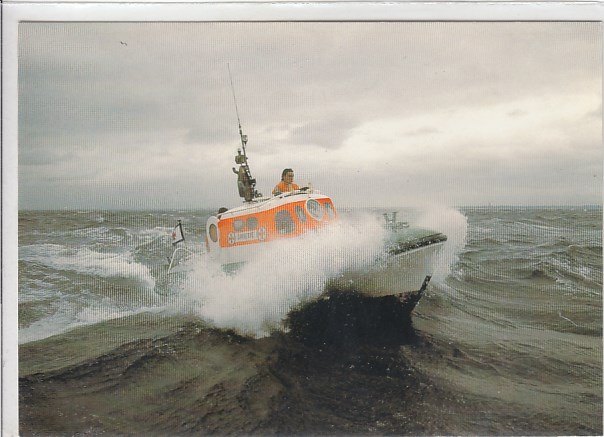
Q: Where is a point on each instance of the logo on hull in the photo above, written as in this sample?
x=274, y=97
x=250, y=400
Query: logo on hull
x=242, y=237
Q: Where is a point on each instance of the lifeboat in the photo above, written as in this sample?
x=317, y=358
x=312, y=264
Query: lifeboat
x=233, y=236
x=237, y=235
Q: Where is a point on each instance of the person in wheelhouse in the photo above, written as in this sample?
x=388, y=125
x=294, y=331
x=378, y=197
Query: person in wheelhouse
x=287, y=183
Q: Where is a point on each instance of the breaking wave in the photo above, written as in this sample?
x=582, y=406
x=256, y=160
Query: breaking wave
x=65, y=319
x=292, y=272
x=86, y=261
x=454, y=225
x=288, y=273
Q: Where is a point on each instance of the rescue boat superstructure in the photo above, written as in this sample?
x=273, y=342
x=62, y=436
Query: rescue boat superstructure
x=233, y=235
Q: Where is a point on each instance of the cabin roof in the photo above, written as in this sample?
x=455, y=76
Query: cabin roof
x=266, y=203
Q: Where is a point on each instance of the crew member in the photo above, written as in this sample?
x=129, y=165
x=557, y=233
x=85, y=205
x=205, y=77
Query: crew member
x=287, y=183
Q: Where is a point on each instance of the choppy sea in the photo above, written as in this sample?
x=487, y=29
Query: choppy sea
x=517, y=297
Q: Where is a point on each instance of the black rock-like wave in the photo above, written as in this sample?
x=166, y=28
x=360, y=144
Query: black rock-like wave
x=339, y=370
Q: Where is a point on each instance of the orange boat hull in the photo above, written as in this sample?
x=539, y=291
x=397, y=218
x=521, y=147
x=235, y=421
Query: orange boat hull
x=233, y=235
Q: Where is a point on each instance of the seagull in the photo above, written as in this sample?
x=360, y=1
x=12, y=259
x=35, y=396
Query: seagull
x=123, y=43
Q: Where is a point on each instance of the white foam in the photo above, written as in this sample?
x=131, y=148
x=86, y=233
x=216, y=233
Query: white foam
x=454, y=225
x=289, y=272
x=87, y=261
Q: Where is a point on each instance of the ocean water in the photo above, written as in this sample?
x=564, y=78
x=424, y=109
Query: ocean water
x=79, y=268
x=516, y=299
x=523, y=308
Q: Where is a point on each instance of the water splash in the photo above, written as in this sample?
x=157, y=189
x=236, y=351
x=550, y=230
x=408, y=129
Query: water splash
x=283, y=275
x=454, y=225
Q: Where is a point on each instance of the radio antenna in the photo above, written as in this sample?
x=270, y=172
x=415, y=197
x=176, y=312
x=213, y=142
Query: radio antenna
x=243, y=137
x=245, y=182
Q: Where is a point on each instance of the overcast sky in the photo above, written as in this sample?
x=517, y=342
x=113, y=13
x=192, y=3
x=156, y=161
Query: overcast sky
x=141, y=115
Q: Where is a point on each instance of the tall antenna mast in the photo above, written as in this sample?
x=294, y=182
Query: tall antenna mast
x=243, y=137
x=245, y=182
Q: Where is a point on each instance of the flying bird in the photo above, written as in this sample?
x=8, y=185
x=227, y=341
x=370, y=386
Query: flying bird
x=123, y=43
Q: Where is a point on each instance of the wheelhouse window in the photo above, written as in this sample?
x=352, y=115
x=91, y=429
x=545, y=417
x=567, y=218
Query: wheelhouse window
x=315, y=209
x=284, y=222
x=238, y=225
x=213, y=233
x=329, y=210
x=300, y=213
x=251, y=223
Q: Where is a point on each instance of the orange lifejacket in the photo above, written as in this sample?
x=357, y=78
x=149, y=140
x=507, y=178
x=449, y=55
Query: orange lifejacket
x=283, y=187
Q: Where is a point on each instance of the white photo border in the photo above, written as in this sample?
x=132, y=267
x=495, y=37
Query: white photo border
x=15, y=12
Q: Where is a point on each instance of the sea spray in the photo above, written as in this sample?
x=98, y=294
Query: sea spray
x=454, y=225
x=283, y=275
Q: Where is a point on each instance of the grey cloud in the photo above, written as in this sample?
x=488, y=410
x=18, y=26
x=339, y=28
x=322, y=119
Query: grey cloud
x=595, y=114
x=426, y=130
x=516, y=113
x=82, y=94
x=170, y=72
x=328, y=134
x=39, y=156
